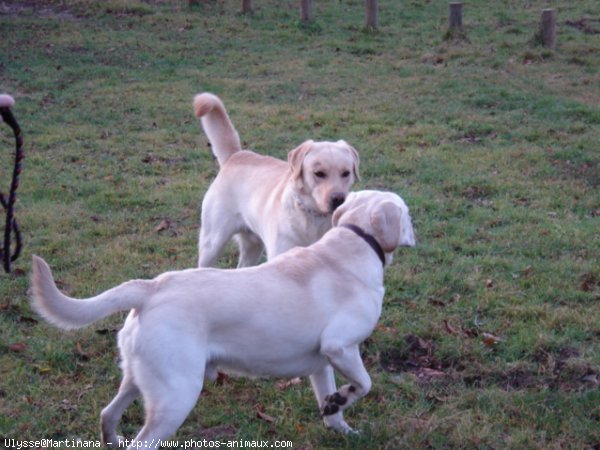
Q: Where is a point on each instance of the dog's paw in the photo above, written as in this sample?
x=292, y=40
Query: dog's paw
x=337, y=423
x=338, y=401
x=115, y=442
x=333, y=403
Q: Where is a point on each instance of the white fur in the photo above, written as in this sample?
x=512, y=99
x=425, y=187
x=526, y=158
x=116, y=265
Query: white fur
x=263, y=202
x=302, y=313
x=6, y=101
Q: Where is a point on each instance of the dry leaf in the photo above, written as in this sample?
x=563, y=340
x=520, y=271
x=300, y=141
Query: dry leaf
x=163, y=225
x=82, y=355
x=42, y=369
x=430, y=373
x=385, y=329
x=591, y=378
x=490, y=340
x=222, y=378
x=449, y=328
x=284, y=384
x=262, y=415
x=265, y=417
x=18, y=347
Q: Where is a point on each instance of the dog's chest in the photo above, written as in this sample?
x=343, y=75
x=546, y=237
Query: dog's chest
x=308, y=229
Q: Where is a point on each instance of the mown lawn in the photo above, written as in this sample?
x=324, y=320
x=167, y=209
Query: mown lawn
x=490, y=334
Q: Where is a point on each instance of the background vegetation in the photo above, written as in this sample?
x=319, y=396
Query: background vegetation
x=491, y=325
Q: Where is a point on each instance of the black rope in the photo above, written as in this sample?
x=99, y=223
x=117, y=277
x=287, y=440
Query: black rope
x=8, y=203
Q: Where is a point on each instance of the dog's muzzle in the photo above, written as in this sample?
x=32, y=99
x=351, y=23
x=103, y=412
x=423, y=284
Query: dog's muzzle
x=337, y=198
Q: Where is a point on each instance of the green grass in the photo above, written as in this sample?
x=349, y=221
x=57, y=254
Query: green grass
x=491, y=139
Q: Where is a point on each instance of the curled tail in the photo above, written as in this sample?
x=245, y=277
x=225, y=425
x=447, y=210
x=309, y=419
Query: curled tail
x=68, y=313
x=221, y=133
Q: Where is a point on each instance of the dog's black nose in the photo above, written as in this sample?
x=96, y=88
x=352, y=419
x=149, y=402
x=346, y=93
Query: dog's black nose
x=337, y=199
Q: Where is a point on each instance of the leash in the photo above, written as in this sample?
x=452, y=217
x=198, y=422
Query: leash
x=368, y=238
x=8, y=202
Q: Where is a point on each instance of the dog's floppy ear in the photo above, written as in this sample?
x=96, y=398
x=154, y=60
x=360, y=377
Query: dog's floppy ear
x=386, y=221
x=296, y=158
x=355, y=157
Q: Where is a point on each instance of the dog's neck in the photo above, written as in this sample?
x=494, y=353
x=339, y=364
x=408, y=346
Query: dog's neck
x=302, y=206
x=369, y=239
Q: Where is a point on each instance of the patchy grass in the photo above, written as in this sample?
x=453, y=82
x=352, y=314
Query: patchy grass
x=490, y=332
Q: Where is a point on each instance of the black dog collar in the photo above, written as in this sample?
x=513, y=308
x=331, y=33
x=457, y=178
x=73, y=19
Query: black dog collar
x=369, y=240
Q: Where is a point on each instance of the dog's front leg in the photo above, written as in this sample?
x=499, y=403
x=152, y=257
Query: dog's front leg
x=323, y=384
x=347, y=361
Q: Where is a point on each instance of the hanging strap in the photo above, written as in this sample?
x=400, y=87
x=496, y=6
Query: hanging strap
x=8, y=202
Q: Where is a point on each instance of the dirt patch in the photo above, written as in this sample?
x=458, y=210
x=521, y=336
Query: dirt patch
x=586, y=25
x=558, y=369
x=590, y=282
x=587, y=172
x=415, y=356
x=39, y=8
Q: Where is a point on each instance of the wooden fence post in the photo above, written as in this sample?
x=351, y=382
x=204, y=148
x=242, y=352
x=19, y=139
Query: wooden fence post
x=455, y=16
x=548, y=28
x=246, y=6
x=305, y=10
x=372, y=14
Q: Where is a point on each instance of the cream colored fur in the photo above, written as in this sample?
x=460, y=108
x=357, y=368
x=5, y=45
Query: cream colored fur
x=264, y=202
x=301, y=314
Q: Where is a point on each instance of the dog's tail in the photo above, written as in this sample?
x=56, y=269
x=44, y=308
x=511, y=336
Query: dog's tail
x=221, y=133
x=69, y=313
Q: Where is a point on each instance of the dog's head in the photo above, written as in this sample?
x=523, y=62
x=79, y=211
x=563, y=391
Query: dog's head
x=384, y=215
x=324, y=172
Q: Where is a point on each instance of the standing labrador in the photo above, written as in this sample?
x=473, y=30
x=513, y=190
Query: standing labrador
x=301, y=313
x=264, y=202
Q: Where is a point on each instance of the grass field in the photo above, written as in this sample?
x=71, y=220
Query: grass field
x=490, y=334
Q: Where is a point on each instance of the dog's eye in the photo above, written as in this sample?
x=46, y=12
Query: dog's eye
x=345, y=174
x=320, y=174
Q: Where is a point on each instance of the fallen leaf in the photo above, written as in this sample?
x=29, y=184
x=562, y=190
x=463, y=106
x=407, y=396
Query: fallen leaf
x=82, y=355
x=42, y=369
x=449, y=328
x=18, y=347
x=591, y=378
x=222, y=378
x=262, y=415
x=284, y=384
x=66, y=405
x=435, y=302
x=490, y=340
x=489, y=283
x=387, y=330
x=430, y=373
x=163, y=225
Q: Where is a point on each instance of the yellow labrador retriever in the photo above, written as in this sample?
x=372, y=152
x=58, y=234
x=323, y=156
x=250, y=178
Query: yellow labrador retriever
x=264, y=202
x=298, y=314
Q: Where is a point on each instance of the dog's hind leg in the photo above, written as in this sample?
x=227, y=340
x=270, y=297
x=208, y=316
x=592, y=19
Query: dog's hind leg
x=110, y=416
x=168, y=399
x=212, y=241
x=169, y=378
x=251, y=249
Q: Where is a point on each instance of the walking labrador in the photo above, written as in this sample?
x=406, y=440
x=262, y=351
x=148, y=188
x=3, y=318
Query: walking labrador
x=296, y=315
x=265, y=202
